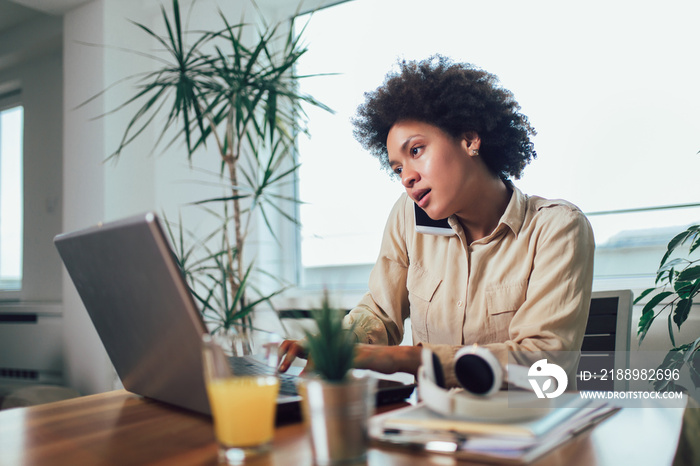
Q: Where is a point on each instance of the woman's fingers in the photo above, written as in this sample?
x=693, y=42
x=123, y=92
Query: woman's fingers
x=290, y=349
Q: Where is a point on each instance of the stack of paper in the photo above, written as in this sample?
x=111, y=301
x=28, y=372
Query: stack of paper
x=517, y=442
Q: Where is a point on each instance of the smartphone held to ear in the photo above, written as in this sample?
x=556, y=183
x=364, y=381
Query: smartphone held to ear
x=428, y=226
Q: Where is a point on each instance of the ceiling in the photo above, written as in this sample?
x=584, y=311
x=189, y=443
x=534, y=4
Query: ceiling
x=12, y=14
x=52, y=7
x=16, y=12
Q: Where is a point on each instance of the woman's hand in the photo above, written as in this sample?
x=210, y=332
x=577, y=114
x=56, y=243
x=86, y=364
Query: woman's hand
x=379, y=358
x=288, y=352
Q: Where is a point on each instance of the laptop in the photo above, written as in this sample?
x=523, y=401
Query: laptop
x=133, y=289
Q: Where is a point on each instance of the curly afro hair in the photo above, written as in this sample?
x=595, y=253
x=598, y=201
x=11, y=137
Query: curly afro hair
x=457, y=98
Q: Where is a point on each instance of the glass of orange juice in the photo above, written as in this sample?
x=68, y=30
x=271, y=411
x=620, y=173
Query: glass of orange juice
x=240, y=375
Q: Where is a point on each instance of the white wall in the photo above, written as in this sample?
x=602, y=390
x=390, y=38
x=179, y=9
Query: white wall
x=43, y=101
x=96, y=190
x=87, y=368
x=30, y=60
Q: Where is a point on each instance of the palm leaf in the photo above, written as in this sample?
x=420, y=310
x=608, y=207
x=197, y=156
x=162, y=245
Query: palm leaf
x=244, y=96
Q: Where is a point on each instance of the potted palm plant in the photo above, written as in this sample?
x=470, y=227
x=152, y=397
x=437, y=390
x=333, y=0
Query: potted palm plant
x=336, y=405
x=215, y=89
x=677, y=286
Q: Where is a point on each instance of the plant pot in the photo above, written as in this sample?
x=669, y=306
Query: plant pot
x=336, y=416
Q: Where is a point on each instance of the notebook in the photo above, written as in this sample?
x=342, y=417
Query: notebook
x=132, y=287
x=133, y=290
x=522, y=442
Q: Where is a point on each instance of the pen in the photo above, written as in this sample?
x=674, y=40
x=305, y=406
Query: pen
x=445, y=442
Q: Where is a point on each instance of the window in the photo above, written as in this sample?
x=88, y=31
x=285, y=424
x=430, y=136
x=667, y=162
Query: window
x=608, y=86
x=11, y=205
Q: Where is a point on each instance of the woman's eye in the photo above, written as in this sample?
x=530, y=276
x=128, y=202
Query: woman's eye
x=415, y=150
x=398, y=170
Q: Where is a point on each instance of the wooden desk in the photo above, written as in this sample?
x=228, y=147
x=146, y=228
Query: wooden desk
x=121, y=428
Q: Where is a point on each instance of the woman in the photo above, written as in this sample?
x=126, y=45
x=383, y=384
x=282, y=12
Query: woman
x=517, y=273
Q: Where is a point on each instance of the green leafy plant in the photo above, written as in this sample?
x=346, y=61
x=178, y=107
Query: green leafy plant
x=677, y=286
x=331, y=348
x=215, y=89
x=209, y=274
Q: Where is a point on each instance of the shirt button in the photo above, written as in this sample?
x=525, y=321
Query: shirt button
x=459, y=303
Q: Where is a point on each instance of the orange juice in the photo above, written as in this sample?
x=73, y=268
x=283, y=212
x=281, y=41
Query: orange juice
x=243, y=409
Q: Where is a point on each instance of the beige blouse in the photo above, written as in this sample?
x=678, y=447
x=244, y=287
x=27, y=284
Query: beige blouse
x=525, y=287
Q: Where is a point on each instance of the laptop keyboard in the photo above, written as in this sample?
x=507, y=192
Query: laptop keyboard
x=251, y=366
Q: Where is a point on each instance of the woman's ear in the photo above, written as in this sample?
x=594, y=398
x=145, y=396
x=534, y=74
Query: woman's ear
x=472, y=142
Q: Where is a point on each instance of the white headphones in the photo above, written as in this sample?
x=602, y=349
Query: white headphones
x=480, y=398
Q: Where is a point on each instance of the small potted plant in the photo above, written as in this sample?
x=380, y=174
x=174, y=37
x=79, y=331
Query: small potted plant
x=336, y=405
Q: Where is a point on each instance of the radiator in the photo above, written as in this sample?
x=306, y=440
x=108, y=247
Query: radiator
x=31, y=343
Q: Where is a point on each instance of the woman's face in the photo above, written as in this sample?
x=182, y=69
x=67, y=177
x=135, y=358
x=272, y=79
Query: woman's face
x=440, y=173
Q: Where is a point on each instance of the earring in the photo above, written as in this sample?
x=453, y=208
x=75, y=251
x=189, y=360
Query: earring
x=475, y=152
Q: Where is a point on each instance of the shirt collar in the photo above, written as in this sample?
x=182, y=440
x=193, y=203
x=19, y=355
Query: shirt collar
x=512, y=218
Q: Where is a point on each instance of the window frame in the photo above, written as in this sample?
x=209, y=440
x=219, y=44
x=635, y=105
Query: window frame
x=9, y=99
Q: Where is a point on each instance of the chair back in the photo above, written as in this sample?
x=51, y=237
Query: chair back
x=606, y=341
